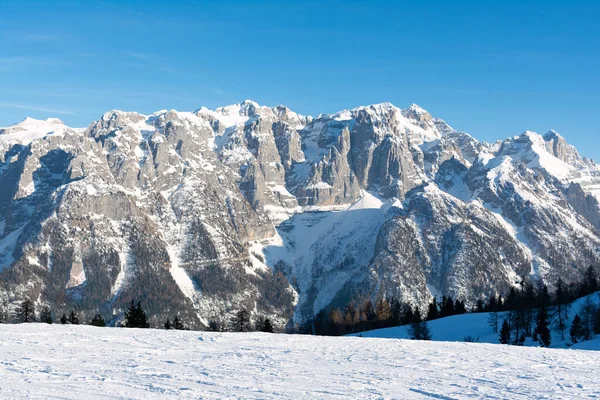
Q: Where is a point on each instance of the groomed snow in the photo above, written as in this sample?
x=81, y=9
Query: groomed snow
x=76, y=362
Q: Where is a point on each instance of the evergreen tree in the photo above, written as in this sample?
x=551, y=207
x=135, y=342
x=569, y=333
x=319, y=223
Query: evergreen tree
x=418, y=329
x=527, y=306
x=46, y=315
x=396, y=308
x=177, y=324
x=459, y=307
x=544, y=299
x=447, y=307
x=25, y=312
x=264, y=324
x=98, y=320
x=505, y=332
x=240, y=322
x=213, y=325
x=168, y=324
x=542, y=332
x=577, y=332
x=135, y=316
x=432, y=311
x=407, y=315
x=492, y=305
x=142, y=317
x=131, y=318
x=73, y=318
x=64, y=319
x=479, y=306
x=267, y=326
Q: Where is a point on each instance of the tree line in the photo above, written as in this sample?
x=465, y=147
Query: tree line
x=135, y=317
x=525, y=312
x=535, y=313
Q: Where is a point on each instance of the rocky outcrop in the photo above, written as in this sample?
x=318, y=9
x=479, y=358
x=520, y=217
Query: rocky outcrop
x=284, y=214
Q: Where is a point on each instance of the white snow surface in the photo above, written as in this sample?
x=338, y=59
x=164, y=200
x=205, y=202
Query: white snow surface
x=31, y=129
x=457, y=327
x=75, y=362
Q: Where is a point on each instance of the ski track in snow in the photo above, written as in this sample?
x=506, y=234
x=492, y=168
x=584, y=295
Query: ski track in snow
x=75, y=362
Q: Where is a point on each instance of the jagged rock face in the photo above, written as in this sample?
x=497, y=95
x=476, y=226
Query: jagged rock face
x=202, y=213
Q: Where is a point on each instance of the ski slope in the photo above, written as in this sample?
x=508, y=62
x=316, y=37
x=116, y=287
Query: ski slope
x=457, y=327
x=84, y=362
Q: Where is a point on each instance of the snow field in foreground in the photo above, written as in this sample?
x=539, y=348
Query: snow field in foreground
x=84, y=362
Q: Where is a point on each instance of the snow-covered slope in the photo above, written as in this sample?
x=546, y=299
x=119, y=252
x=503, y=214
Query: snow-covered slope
x=260, y=207
x=74, y=362
x=476, y=326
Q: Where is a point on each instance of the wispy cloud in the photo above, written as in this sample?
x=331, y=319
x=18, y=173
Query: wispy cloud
x=35, y=108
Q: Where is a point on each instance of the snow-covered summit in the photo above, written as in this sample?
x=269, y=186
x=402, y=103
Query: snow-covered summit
x=287, y=214
x=31, y=129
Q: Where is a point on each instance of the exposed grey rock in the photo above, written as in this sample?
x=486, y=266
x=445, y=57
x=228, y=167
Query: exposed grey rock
x=285, y=214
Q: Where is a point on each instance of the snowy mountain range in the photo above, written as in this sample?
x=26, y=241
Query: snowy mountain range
x=202, y=213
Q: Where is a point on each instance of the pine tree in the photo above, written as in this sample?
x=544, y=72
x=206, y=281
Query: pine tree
x=135, y=316
x=264, y=324
x=432, y=311
x=98, y=320
x=177, y=324
x=542, y=332
x=527, y=307
x=131, y=320
x=168, y=324
x=25, y=312
x=213, y=326
x=408, y=315
x=418, y=329
x=577, y=332
x=64, y=319
x=46, y=315
x=73, y=318
x=447, y=307
x=396, y=308
x=479, y=306
x=459, y=307
x=505, y=332
x=240, y=322
x=267, y=326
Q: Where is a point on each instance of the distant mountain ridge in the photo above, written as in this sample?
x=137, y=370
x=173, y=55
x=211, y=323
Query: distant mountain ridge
x=246, y=205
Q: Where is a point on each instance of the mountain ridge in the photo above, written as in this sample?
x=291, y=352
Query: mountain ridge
x=256, y=206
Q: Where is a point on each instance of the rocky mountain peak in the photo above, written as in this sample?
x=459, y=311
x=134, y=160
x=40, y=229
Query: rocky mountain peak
x=256, y=206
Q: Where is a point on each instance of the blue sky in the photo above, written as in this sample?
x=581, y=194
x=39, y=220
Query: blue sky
x=491, y=68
